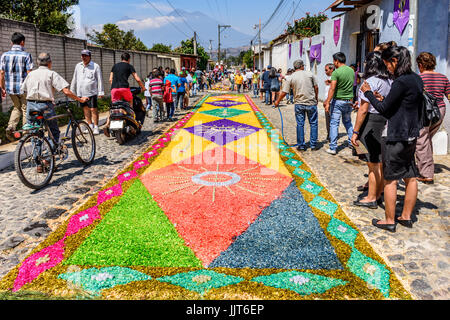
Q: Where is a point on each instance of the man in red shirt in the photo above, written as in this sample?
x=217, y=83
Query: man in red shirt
x=120, y=88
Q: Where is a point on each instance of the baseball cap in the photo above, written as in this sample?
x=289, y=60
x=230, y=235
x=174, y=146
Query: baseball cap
x=86, y=52
x=269, y=67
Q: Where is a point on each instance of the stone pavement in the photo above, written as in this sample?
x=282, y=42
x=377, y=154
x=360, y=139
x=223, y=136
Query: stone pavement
x=28, y=216
x=420, y=256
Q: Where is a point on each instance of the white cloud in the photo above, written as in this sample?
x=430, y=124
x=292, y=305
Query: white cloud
x=148, y=23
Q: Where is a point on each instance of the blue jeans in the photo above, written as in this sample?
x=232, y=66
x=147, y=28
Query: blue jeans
x=48, y=111
x=291, y=96
x=255, y=90
x=340, y=109
x=301, y=111
x=268, y=96
x=170, y=109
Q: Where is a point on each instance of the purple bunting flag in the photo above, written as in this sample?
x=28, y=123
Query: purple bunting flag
x=315, y=53
x=401, y=14
x=337, y=31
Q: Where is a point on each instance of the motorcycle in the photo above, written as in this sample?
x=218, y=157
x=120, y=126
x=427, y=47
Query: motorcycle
x=126, y=122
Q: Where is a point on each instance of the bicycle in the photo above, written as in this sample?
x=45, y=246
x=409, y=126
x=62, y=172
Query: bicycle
x=35, y=159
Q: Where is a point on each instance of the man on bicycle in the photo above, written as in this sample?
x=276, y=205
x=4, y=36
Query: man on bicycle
x=40, y=86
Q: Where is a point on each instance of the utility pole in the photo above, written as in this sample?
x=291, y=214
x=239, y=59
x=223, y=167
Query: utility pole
x=293, y=13
x=259, y=39
x=220, y=27
x=195, y=43
x=210, y=51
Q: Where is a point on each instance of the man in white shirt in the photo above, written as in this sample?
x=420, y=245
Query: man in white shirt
x=40, y=86
x=248, y=79
x=87, y=82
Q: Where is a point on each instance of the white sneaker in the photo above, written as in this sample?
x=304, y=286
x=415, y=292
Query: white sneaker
x=95, y=130
x=333, y=152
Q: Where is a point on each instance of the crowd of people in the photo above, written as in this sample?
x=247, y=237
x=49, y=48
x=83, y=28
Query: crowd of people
x=388, y=98
x=388, y=134
x=165, y=90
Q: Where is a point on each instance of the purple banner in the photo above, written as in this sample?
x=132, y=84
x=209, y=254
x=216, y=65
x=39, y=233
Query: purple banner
x=301, y=48
x=401, y=14
x=290, y=50
x=315, y=53
x=337, y=31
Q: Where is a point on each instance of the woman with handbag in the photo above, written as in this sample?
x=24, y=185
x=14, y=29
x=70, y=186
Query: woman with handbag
x=438, y=86
x=401, y=108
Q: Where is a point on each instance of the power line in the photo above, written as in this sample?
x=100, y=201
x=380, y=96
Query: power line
x=271, y=17
x=184, y=19
x=162, y=15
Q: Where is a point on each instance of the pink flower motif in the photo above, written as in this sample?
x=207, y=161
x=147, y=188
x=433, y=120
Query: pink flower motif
x=150, y=154
x=107, y=194
x=140, y=164
x=158, y=146
x=127, y=176
x=39, y=262
x=82, y=220
x=164, y=139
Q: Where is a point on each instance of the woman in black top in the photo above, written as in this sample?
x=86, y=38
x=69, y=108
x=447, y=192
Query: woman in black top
x=401, y=109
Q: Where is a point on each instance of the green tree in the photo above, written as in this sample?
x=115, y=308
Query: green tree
x=113, y=37
x=159, y=47
x=187, y=47
x=247, y=59
x=49, y=16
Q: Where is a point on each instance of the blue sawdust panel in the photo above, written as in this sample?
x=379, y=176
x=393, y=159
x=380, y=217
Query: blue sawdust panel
x=286, y=235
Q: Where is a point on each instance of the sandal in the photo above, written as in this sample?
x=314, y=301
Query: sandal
x=363, y=188
x=388, y=227
x=405, y=223
x=426, y=180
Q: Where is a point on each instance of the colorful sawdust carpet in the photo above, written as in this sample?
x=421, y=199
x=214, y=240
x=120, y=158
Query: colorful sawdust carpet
x=218, y=208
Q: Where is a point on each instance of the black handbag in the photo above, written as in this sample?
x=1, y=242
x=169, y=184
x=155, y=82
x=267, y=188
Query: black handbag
x=430, y=113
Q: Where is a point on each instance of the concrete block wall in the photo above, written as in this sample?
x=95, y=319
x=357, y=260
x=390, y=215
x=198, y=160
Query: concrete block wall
x=66, y=53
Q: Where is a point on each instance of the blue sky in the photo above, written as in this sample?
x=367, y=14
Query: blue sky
x=149, y=24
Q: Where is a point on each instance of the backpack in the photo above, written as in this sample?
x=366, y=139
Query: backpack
x=430, y=113
x=168, y=96
x=275, y=85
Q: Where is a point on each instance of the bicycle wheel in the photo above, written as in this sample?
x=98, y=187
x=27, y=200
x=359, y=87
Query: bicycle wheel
x=34, y=161
x=83, y=142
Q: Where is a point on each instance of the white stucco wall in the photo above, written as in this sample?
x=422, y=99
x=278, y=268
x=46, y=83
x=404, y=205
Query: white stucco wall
x=280, y=53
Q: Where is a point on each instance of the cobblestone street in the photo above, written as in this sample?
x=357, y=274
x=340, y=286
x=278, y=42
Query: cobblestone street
x=27, y=216
x=419, y=256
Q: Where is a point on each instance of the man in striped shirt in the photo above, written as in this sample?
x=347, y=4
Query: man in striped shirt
x=14, y=67
x=437, y=85
x=156, y=91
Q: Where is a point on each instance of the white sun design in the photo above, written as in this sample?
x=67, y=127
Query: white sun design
x=204, y=178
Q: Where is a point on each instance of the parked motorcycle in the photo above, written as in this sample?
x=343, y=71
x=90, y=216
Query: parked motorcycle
x=126, y=122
